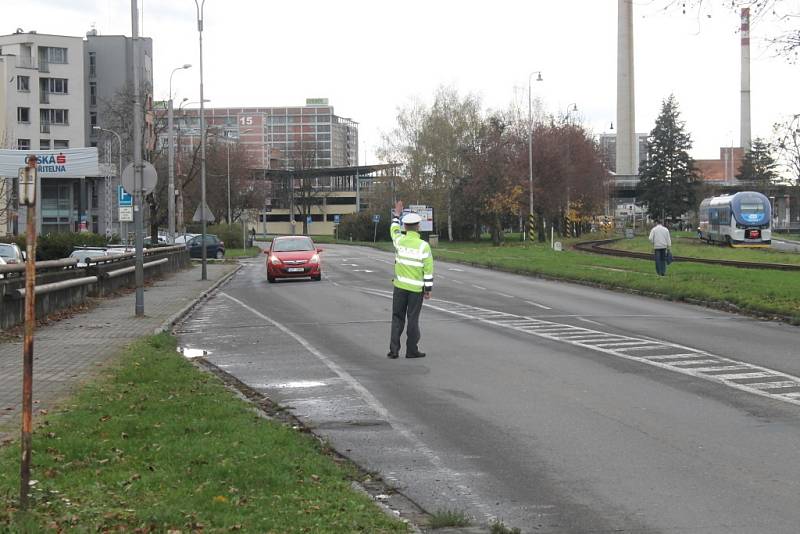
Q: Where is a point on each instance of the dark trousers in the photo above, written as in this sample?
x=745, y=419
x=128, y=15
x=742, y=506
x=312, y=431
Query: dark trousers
x=661, y=261
x=405, y=304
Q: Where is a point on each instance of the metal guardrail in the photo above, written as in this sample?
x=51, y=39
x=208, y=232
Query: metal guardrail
x=41, y=266
x=56, y=286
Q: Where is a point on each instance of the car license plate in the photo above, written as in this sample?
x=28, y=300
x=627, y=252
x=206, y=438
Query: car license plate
x=294, y=270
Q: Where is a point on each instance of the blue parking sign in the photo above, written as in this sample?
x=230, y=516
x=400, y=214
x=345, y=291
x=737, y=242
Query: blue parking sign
x=335, y=219
x=124, y=198
x=376, y=218
x=308, y=219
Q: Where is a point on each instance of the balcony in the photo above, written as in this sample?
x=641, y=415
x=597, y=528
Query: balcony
x=25, y=62
x=44, y=127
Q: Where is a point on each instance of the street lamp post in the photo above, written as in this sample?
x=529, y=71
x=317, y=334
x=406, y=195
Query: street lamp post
x=119, y=167
x=530, y=154
x=171, y=186
x=199, y=4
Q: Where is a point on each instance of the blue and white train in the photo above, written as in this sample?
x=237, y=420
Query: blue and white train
x=740, y=220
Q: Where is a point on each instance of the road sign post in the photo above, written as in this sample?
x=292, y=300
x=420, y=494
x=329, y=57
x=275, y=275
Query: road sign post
x=27, y=189
x=375, y=219
x=336, y=219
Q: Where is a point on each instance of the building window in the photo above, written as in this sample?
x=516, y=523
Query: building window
x=92, y=93
x=92, y=118
x=92, y=64
x=24, y=83
x=56, y=55
x=23, y=144
x=56, y=85
x=54, y=116
x=59, y=144
x=44, y=144
x=24, y=115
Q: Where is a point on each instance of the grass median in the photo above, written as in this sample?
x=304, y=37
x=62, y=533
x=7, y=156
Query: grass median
x=157, y=445
x=249, y=252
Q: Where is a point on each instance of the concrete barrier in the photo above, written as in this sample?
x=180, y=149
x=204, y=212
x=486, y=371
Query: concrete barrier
x=61, y=284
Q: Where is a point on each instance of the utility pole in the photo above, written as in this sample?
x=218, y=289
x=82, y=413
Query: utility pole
x=171, y=186
x=138, y=195
x=204, y=252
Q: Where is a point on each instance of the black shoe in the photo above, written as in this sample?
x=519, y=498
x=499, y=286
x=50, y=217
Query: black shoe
x=392, y=355
x=415, y=355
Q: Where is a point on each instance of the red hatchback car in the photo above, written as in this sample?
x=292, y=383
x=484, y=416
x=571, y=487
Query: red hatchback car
x=293, y=257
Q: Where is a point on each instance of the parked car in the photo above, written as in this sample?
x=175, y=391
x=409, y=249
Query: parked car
x=11, y=253
x=293, y=257
x=182, y=239
x=215, y=248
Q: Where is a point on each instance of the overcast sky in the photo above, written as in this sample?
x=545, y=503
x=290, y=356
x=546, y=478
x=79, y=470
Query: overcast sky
x=370, y=57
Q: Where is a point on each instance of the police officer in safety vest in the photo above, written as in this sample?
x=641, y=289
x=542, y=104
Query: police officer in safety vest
x=413, y=281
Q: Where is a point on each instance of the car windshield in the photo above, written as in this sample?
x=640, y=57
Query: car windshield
x=292, y=245
x=8, y=252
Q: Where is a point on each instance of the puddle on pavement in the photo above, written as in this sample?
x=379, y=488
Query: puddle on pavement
x=192, y=353
x=296, y=384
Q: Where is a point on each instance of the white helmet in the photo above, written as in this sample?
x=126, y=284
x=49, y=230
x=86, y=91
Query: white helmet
x=411, y=218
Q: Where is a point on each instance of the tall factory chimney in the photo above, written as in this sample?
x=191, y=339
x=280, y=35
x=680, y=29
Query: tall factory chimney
x=627, y=165
x=745, y=109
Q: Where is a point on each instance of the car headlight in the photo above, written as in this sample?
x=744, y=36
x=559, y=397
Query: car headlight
x=274, y=260
x=314, y=259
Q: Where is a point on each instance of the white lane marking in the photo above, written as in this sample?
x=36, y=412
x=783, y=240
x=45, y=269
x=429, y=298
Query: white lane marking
x=542, y=306
x=349, y=265
x=506, y=296
x=458, y=282
x=362, y=271
x=726, y=371
x=373, y=403
x=585, y=320
x=478, y=287
x=455, y=269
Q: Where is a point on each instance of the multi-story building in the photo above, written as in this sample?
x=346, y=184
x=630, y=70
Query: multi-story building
x=608, y=150
x=108, y=70
x=306, y=137
x=53, y=97
x=44, y=110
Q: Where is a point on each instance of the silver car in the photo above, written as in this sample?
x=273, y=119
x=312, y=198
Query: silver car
x=11, y=253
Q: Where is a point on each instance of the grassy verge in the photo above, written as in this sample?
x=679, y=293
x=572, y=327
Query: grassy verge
x=157, y=445
x=249, y=252
x=696, y=249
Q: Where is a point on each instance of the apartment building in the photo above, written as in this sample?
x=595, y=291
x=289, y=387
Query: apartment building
x=53, y=95
x=43, y=109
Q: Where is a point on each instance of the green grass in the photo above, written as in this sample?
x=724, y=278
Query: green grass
x=449, y=518
x=696, y=249
x=157, y=445
x=249, y=252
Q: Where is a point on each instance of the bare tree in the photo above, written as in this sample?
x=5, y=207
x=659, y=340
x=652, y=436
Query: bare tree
x=787, y=145
x=784, y=14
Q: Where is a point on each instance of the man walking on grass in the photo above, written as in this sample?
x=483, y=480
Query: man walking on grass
x=413, y=281
x=659, y=237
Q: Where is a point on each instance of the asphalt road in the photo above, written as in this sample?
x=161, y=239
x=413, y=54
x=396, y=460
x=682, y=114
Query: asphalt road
x=552, y=407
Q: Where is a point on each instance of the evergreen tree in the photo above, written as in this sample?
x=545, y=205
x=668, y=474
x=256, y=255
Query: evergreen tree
x=758, y=166
x=668, y=181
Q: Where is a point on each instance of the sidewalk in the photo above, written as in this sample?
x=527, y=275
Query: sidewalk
x=68, y=352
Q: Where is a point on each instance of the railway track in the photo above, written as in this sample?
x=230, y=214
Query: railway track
x=599, y=247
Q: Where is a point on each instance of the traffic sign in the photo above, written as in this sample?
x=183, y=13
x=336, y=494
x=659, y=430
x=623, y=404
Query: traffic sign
x=336, y=219
x=376, y=218
x=201, y=214
x=126, y=214
x=149, y=177
x=308, y=219
x=123, y=197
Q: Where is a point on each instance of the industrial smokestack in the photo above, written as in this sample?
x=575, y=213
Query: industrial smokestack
x=627, y=165
x=745, y=111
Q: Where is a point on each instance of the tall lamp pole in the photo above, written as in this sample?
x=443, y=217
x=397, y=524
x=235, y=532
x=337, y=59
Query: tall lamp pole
x=199, y=4
x=138, y=194
x=171, y=186
x=530, y=154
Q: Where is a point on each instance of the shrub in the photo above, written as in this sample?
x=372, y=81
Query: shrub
x=231, y=234
x=61, y=245
x=360, y=227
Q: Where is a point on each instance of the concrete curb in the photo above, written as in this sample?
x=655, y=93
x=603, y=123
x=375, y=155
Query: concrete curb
x=167, y=325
